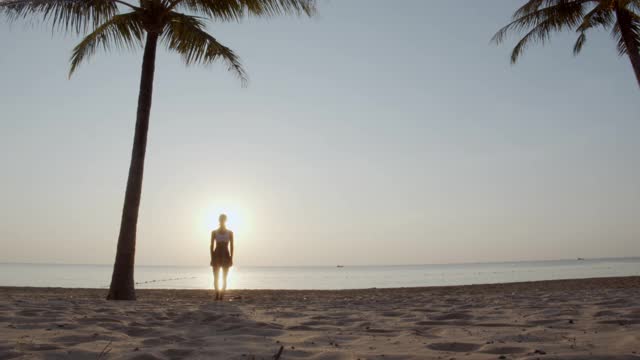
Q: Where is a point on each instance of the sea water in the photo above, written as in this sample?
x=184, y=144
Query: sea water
x=309, y=277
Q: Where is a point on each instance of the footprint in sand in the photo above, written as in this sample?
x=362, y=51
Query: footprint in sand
x=504, y=350
x=39, y=347
x=299, y=328
x=620, y=302
x=526, y=338
x=70, y=340
x=316, y=323
x=164, y=340
x=139, y=331
x=178, y=353
x=102, y=319
x=29, y=313
x=454, y=346
x=542, y=322
x=620, y=322
x=634, y=314
x=606, y=313
x=379, y=331
x=453, y=316
x=144, y=356
x=10, y=354
x=392, y=313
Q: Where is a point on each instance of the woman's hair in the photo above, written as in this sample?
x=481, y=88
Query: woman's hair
x=222, y=218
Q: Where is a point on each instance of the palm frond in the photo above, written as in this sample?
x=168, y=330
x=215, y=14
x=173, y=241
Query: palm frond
x=577, y=47
x=634, y=6
x=553, y=14
x=532, y=6
x=540, y=22
x=75, y=15
x=279, y=7
x=221, y=10
x=121, y=31
x=600, y=15
x=234, y=10
x=635, y=29
x=186, y=35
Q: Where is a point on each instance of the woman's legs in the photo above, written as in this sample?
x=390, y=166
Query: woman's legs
x=225, y=272
x=216, y=272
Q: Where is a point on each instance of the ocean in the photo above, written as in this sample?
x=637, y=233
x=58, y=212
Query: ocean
x=347, y=277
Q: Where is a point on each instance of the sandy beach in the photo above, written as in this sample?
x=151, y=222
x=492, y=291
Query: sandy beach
x=565, y=319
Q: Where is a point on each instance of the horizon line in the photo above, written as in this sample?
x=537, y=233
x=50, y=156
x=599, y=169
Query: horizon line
x=635, y=257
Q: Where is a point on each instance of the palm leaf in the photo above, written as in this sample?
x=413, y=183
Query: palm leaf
x=532, y=6
x=186, y=35
x=526, y=20
x=121, y=31
x=635, y=29
x=540, y=22
x=222, y=10
x=600, y=15
x=234, y=10
x=279, y=7
x=634, y=6
x=76, y=15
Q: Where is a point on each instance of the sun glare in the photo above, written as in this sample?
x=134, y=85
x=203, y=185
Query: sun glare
x=237, y=218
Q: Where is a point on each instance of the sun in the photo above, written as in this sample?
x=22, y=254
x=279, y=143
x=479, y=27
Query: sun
x=237, y=217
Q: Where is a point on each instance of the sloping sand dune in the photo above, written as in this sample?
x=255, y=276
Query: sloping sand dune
x=567, y=319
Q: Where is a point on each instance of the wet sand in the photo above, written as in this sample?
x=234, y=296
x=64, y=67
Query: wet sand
x=564, y=319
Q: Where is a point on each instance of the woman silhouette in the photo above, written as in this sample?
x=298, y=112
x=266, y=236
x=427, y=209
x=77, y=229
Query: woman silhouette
x=221, y=239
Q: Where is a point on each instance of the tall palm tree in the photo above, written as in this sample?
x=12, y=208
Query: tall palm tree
x=180, y=26
x=540, y=18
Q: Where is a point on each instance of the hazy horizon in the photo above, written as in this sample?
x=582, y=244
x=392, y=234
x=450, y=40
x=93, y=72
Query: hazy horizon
x=376, y=133
x=334, y=265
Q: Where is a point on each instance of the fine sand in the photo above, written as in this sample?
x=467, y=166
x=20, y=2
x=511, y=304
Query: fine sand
x=566, y=319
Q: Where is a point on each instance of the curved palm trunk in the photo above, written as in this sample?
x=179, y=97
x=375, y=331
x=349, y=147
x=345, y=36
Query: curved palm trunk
x=122, y=285
x=624, y=21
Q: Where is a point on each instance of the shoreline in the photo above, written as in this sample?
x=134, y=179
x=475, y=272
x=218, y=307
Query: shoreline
x=577, y=319
x=310, y=278
x=632, y=281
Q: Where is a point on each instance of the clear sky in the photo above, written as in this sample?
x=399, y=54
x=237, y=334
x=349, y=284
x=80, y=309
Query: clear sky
x=378, y=132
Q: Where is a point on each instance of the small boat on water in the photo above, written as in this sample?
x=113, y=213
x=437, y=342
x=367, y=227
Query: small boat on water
x=339, y=266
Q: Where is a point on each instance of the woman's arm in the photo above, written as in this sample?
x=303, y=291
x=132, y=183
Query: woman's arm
x=231, y=240
x=213, y=238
